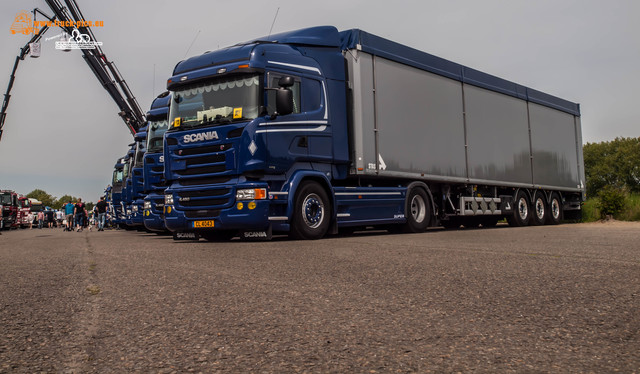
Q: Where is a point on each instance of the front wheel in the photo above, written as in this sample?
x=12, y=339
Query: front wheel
x=311, y=213
x=417, y=211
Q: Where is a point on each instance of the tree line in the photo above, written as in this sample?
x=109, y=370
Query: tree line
x=52, y=201
x=612, y=165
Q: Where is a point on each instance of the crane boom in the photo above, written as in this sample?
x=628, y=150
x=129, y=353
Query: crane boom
x=105, y=71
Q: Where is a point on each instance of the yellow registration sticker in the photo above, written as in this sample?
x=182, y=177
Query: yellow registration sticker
x=203, y=224
x=237, y=113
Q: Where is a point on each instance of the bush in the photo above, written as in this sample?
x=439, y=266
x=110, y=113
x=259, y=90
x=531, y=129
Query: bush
x=611, y=201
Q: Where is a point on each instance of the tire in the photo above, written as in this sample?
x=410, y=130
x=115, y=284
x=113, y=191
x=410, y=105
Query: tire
x=540, y=211
x=554, y=215
x=521, y=212
x=311, y=212
x=417, y=211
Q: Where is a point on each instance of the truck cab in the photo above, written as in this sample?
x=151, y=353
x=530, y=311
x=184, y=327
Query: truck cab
x=154, y=182
x=10, y=207
x=137, y=180
x=247, y=124
x=115, y=198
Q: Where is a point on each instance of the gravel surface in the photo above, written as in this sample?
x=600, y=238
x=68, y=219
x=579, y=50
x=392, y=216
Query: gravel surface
x=535, y=299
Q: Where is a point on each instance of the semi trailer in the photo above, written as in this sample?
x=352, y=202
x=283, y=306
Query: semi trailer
x=314, y=130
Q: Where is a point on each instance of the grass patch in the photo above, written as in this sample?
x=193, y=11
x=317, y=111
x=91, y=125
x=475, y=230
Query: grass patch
x=94, y=290
x=631, y=211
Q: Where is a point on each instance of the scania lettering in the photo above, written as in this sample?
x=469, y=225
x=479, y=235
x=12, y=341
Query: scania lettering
x=318, y=130
x=200, y=137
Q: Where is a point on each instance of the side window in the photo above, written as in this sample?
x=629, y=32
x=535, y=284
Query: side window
x=271, y=95
x=312, y=94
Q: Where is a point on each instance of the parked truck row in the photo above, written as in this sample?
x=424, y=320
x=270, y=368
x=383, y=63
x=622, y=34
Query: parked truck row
x=314, y=131
x=15, y=210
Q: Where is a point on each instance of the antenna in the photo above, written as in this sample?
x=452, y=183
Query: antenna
x=194, y=40
x=274, y=22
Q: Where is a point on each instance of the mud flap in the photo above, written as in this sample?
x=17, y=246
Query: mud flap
x=258, y=235
x=186, y=236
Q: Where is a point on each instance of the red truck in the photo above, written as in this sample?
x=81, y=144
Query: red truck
x=9, y=203
x=24, y=208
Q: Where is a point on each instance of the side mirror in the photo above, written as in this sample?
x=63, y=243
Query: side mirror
x=285, y=82
x=284, y=101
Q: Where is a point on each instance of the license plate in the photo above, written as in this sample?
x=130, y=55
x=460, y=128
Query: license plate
x=203, y=224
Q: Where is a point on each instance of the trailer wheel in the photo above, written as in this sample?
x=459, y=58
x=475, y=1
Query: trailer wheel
x=555, y=210
x=540, y=210
x=521, y=214
x=311, y=213
x=417, y=211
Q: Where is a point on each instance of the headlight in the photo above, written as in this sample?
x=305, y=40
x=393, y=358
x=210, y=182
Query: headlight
x=251, y=194
x=134, y=208
x=147, y=205
x=168, y=199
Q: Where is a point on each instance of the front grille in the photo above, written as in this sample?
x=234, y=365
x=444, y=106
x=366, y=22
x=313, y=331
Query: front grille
x=203, y=202
x=211, y=198
x=201, y=150
x=217, y=192
x=158, y=169
x=203, y=181
x=206, y=160
x=202, y=170
x=203, y=213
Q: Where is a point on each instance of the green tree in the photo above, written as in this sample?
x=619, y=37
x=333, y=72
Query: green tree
x=63, y=200
x=47, y=200
x=615, y=163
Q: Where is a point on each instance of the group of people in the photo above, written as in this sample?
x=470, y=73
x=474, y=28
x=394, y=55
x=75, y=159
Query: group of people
x=73, y=215
x=78, y=213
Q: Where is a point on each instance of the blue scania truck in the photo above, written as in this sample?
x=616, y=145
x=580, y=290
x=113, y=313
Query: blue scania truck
x=154, y=183
x=135, y=184
x=314, y=130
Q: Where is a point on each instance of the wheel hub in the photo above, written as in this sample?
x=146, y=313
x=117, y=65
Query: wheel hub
x=313, y=211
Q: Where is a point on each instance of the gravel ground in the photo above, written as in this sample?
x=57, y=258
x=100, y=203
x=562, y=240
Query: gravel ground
x=535, y=299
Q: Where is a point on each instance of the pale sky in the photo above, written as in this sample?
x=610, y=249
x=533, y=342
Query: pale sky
x=63, y=134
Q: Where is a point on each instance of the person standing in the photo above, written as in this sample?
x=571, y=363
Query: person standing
x=68, y=211
x=40, y=219
x=101, y=208
x=79, y=211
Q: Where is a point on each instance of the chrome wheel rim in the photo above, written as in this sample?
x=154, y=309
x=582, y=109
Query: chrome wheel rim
x=313, y=211
x=418, y=208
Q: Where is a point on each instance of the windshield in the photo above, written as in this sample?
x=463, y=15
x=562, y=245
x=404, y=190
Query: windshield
x=218, y=101
x=140, y=149
x=125, y=170
x=5, y=199
x=117, y=176
x=154, y=135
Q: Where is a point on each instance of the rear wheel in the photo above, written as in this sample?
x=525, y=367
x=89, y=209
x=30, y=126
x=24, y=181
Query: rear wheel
x=540, y=210
x=311, y=213
x=521, y=213
x=417, y=211
x=555, y=210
